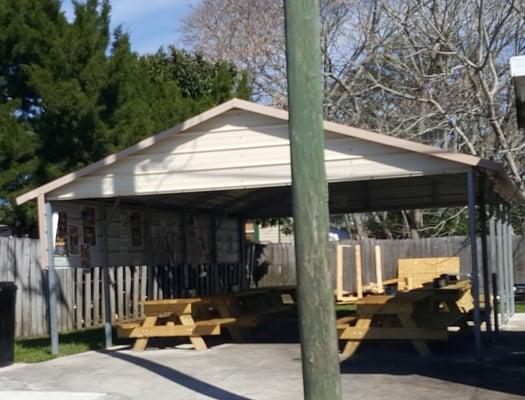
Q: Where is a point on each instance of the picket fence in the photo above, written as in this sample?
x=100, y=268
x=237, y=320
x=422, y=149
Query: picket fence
x=80, y=302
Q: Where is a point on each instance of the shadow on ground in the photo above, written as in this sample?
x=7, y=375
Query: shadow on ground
x=452, y=361
x=178, y=377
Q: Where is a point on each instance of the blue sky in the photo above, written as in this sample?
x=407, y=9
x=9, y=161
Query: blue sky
x=150, y=23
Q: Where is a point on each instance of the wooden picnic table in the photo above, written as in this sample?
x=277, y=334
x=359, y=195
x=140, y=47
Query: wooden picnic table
x=418, y=315
x=177, y=317
x=171, y=318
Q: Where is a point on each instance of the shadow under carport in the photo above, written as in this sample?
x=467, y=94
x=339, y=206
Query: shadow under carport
x=453, y=361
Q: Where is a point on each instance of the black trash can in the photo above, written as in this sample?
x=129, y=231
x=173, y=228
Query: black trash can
x=7, y=322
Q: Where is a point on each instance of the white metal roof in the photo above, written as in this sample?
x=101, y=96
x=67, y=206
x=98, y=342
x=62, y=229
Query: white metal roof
x=240, y=145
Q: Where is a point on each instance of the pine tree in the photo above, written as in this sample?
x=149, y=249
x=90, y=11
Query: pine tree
x=66, y=101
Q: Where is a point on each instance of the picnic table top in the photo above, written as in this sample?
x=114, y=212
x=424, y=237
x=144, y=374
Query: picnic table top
x=460, y=286
x=405, y=302
x=188, y=300
x=212, y=297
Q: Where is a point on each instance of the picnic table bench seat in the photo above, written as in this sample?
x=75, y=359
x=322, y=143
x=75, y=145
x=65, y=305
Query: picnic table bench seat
x=169, y=329
x=418, y=315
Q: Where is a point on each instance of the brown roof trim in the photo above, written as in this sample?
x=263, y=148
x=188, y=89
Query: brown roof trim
x=244, y=105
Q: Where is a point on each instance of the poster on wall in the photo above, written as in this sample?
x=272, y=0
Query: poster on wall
x=135, y=223
x=61, y=236
x=74, y=240
x=85, y=256
x=124, y=230
x=88, y=226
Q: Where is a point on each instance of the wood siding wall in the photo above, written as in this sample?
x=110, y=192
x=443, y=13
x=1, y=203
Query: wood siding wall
x=162, y=236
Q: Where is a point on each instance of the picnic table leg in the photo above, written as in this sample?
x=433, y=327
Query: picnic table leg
x=462, y=321
x=420, y=345
x=227, y=309
x=198, y=342
x=141, y=343
x=352, y=345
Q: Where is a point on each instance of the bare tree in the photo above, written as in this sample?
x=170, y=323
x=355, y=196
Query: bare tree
x=434, y=71
x=249, y=33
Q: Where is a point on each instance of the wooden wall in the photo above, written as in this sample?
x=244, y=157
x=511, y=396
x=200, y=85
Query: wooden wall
x=167, y=237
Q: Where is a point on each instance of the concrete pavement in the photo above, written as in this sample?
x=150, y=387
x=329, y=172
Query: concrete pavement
x=271, y=369
x=248, y=371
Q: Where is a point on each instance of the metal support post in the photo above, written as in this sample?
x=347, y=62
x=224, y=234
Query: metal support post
x=485, y=257
x=510, y=270
x=474, y=257
x=51, y=279
x=493, y=264
x=506, y=263
x=500, y=265
x=105, y=281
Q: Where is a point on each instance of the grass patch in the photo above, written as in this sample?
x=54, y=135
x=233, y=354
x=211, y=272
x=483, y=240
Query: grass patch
x=39, y=349
x=342, y=310
x=345, y=307
x=520, y=307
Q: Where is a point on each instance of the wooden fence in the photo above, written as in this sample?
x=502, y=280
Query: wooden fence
x=276, y=264
x=80, y=300
x=80, y=292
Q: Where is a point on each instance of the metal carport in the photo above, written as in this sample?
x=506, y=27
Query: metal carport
x=234, y=160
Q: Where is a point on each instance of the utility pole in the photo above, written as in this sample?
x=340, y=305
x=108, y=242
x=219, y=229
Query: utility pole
x=321, y=377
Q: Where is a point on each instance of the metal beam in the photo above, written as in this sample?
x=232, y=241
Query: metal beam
x=510, y=264
x=474, y=258
x=242, y=250
x=493, y=264
x=506, y=262
x=484, y=255
x=500, y=265
x=106, y=284
x=51, y=278
x=321, y=379
x=511, y=271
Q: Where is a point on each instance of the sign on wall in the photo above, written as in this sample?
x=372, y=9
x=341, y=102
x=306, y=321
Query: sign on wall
x=74, y=239
x=61, y=235
x=88, y=226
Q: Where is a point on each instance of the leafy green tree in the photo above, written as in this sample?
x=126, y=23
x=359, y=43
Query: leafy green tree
x=69, y=80
x=17, y=164
x=70, y=93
